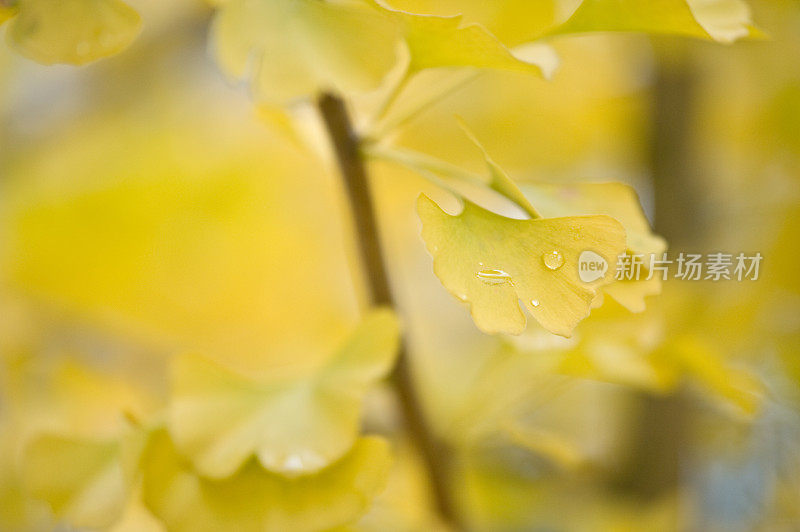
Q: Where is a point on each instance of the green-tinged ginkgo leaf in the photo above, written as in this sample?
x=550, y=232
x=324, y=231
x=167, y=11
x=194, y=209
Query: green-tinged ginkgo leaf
x=260, y=501
x=491, y=262
x=84, y=481
x=72, y=31
x=295, y=48
x=721, y=20
x=295, y=426
x=622, y=203
x=437, y=41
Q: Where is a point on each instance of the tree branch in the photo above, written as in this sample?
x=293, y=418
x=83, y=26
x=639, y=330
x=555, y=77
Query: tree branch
x=351, y=165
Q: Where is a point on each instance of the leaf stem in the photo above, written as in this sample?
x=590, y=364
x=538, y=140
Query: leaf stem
x=452, y=178
x=413, y=160
x=346, y=145
x=390, y=98
x=463, y=80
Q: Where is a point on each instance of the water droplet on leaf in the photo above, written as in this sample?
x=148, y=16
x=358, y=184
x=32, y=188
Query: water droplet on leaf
x=293, y=463
x=493, y=276
x=553, y=260
x=535, y=302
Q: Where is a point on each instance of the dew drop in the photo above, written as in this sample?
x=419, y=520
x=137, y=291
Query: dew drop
x=493, y=276
x=293, y=463
x=553, y=260
x=535, y=302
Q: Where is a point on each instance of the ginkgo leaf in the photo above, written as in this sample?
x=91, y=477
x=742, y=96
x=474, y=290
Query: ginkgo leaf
x=294, y=426
x=445, y=41
x=294, y=48
x=491, y=262
x=179, y=262
x=92, y=403
x=617, y=200
x=86, y=435
x=619, y=349
x=631, y=293
x=622, y=203
x=84, y=481
x=721, y=20
x=260, y=501
x=72, y=31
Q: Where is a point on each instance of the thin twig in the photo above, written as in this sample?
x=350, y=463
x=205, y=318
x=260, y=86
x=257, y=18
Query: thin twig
x=351, y=164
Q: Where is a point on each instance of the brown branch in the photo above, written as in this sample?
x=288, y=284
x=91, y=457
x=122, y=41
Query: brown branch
x=351, y=165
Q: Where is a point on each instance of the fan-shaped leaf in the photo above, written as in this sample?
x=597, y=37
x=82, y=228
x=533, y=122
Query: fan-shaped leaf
x=257, y=500
x=294, y=48
x=721, y=20
x=295, y=426
x=437, y=41
x=492, y=262
x=86, y=482
x=613, y=199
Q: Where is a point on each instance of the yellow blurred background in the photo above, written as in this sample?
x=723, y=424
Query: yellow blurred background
x=148, y=208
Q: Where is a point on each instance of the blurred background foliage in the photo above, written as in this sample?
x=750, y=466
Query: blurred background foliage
x=146, y=209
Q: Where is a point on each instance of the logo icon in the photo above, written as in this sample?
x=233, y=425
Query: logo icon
x=591, y=266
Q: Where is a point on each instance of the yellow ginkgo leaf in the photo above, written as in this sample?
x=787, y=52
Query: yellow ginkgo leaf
x=81, y=455
x=91, y=403
x=721, y=20
x=622, y=203
x=617, y=348
x=179, y=262
x=295, y=48
x=260, y=501
x=491, y=262
x=295, y=426
x=84, y=481
x=613, y=199
x=72, y=31
x=631, y=293
x=437, y=41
